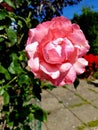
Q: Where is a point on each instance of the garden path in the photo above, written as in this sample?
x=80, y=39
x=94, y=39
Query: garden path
x=71, y=109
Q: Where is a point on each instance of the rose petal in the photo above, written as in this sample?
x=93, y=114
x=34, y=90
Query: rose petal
x=67, y=78
x=67, y=48
x=38, y=33
x=52, y=52
x=70, y=77
x=65, y=67
x=78, y=39
x=31, y=49
x=33, y=64
x=79, y=65
x=51, y=70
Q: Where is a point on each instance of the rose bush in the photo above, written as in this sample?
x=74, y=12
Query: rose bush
x=55, y=49
x=92, y=66
x=92, y=61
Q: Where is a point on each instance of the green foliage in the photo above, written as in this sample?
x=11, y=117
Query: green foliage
x=18, y=86
x=88, y=22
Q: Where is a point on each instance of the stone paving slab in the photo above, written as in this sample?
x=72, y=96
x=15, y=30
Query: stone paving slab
x=94, y=128
x=70, y=109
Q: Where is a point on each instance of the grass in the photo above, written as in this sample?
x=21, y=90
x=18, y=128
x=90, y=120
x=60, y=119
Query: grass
x=89, y=124
x=78, y=104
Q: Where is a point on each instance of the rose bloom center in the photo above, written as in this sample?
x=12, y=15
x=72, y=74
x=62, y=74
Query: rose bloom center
x=58, y=51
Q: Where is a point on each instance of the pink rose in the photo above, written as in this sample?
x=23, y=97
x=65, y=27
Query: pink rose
x=55, y=49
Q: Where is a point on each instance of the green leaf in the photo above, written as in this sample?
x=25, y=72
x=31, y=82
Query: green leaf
x=39, y=113
x=23, y=79
x=6, y=98
x=2, y=81
x=2, y=27
x=26, y=127
x=11, y=68
x=20, y=23
x=15, y=68
x=11, y=123
x=1, y=91
x=1, y=40
x=5, y=72
x=76, y=83
x=3, y=14
x=9, y=2
x=22, y=56
x=11, y=36
x=47, y=85
x=31, y=117
x=14, y=56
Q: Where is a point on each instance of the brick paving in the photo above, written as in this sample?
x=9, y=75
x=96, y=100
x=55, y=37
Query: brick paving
x=70, y=109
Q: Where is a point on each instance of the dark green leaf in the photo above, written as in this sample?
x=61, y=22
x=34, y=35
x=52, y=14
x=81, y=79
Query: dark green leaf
x=26, y=127
x=23, y=79
x=76, y=83
x=11, y=36
x=1, y=40
x=3, y=14
x=5, y=72
x=49, y=86
x=14, y=56
x=15, y=68
x=6, y=98
x=39, y=113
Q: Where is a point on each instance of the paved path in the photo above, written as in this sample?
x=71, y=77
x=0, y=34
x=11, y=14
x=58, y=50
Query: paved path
x=70, y=109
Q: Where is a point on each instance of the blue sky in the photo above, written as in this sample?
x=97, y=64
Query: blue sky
x=70, y=10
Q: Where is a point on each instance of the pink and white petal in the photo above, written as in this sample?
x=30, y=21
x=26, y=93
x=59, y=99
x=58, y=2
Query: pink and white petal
x=38, y=33
x=77, y=37
x=33, y=64
x=65, y=67
x=67, y=48
x=50, y=70
x=41, y=31
x=55, y=75
x=70, y=77
x=61, y=24
x=30, y=36
x=52, y=52
x=75, y=27
x=79, y=41
x=31, y=49
x=80, y=64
